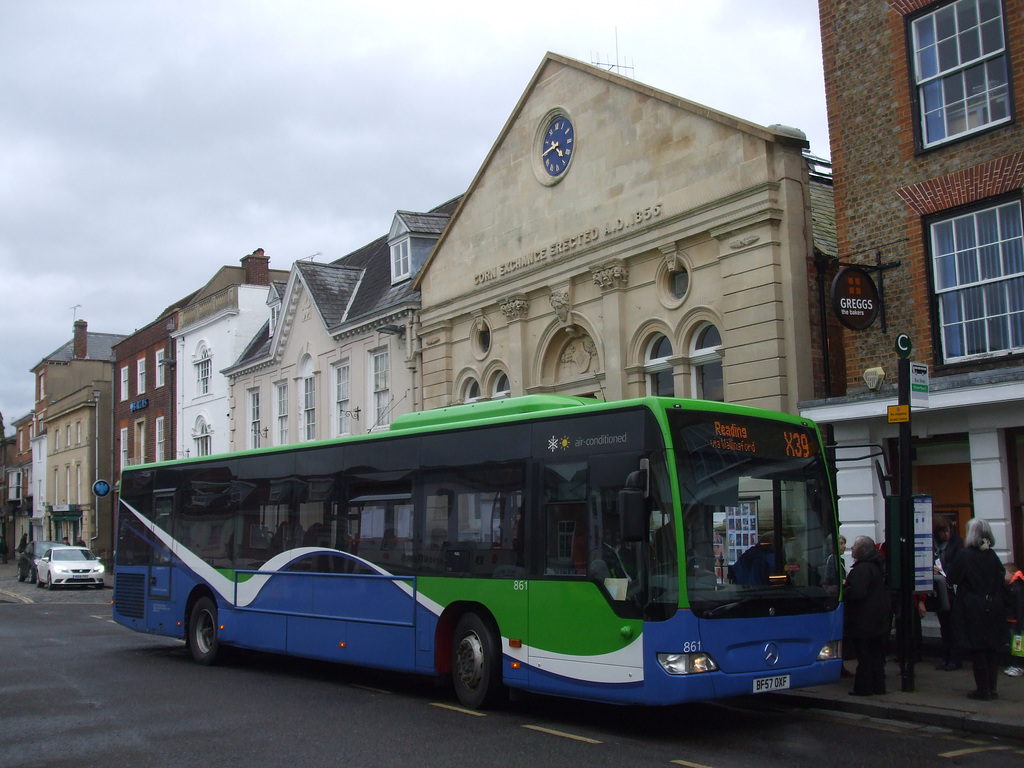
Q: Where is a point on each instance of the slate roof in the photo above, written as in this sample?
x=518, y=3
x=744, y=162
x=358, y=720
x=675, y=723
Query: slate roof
x=823, y=211
x=101, y=347
x=331, y=286
x=425, y=223
x=376, y=294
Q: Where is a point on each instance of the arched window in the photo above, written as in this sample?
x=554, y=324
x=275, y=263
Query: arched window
x=204, y=369
x=202, y=435
x=471, y=391
x=657, y=368
x=502, y=388
x=706, y=359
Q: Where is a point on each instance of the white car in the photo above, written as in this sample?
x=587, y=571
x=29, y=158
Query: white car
x=69, y=567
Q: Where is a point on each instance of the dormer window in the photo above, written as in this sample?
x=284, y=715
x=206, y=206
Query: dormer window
x=400, y=262
x=275, y=313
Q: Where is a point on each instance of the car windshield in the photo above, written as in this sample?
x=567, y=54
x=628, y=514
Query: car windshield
x=73, y=553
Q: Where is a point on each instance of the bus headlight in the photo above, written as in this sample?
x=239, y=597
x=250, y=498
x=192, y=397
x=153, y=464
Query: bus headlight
x=833, y=649
x=686, y=663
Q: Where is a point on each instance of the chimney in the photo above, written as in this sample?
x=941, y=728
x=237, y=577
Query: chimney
x=257, y=268
x=81, y=348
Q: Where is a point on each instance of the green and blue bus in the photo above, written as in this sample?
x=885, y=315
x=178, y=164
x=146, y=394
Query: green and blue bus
x=648, y=551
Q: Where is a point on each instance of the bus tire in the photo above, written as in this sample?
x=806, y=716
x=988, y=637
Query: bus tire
x=202, y=632
x=476, y=663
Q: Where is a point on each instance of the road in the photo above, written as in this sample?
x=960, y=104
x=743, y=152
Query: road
x=78, y=690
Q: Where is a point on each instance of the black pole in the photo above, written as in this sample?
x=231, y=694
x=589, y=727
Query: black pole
x=906, y=542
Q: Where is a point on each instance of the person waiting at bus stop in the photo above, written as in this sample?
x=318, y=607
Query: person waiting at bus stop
x=867, y=616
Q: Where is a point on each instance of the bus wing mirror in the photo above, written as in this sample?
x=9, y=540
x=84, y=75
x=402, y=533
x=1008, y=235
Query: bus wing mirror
x=632, y=504
x=632, y=514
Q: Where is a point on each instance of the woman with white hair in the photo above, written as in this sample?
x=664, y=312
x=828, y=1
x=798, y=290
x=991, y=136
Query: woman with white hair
x=979, y=622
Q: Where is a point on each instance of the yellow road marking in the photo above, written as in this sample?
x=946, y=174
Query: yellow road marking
x=453, y=708
x=972, y=751
x=563, y=734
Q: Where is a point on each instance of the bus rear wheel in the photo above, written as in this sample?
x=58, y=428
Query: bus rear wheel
x=476, y=663
x=202, y=631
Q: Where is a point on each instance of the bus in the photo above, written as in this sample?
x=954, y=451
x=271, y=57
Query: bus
x=649, y=551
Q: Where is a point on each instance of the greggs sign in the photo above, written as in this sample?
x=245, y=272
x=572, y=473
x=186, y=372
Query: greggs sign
x=855, y=298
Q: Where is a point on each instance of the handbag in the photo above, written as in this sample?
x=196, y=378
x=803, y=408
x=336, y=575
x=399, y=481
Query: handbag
x=1017, y=646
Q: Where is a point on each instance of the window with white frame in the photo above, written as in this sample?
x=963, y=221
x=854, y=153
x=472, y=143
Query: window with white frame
x=400, y=262
x=281, y=417
x=254, y=418
x=202, y=436
x=56, y=439
x=140, y=375
x=275, y=314
x=471, y=391
x=78, y=433
x=78, y=483
x=960, y=69
x=160, y=437
x=343, y=397
x=67, y=433
x=124, y=447
x=502, y=388
x=204, y=369
x=307, y=403
x=124, y=383
x=160, y=375
x=380, y=387
x=706, y=363
x=978, y=267
x=657, y=368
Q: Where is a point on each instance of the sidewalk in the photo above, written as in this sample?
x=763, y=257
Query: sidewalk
x=939, y=698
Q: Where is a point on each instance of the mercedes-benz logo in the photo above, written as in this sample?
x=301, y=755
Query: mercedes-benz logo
x=771, y=654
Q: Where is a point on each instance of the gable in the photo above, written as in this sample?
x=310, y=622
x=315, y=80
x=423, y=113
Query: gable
x=642, y=157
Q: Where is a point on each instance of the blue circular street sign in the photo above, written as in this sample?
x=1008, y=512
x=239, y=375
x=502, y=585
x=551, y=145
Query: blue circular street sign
x=101, y=488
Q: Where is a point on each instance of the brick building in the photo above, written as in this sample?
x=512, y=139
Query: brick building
x=928, y=168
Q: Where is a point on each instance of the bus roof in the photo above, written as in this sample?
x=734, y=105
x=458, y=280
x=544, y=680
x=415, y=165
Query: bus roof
x=489, y=409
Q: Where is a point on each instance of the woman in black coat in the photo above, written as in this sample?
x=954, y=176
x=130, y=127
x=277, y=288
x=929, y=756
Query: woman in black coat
x=979, y=621
x=867, y=616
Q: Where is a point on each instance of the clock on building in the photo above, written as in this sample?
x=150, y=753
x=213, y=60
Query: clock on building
x=557, y=145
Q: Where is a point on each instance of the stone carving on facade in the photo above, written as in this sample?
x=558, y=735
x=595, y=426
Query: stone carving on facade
x=743, y=242
x=515, y=308
x=673, y=257
x=577, y=357
x=560, y=303
x=615, y=275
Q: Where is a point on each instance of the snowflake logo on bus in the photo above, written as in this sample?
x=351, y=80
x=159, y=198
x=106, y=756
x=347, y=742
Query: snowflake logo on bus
x=558, y=442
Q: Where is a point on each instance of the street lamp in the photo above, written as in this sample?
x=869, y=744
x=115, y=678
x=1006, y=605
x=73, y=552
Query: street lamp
x=95, y=465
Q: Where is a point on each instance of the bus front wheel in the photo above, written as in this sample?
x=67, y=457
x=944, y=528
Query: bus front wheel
x=476, y=663
x=202, y=631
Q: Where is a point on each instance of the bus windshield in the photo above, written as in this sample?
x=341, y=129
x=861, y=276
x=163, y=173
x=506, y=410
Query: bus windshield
x=759, y=523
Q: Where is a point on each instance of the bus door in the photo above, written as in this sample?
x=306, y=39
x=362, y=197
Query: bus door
x=580, y=582
x=159, y=580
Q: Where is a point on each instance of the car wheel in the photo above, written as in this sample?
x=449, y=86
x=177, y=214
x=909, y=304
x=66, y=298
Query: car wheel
x=33, y=575
x=38, y=583
x=22, y=573
x=49, y=582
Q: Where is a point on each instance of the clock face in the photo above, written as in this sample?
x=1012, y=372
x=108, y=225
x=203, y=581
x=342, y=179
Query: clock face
x=557, y=149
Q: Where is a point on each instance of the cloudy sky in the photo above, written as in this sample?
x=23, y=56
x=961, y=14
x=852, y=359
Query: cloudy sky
x=143, y=145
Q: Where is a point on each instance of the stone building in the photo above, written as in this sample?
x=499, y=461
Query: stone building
x=336, y=356
x=620, y=241
x=929, y=168
x=71, y=446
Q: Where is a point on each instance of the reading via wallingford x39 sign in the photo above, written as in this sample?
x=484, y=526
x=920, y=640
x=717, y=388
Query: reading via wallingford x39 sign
x=855, y=298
